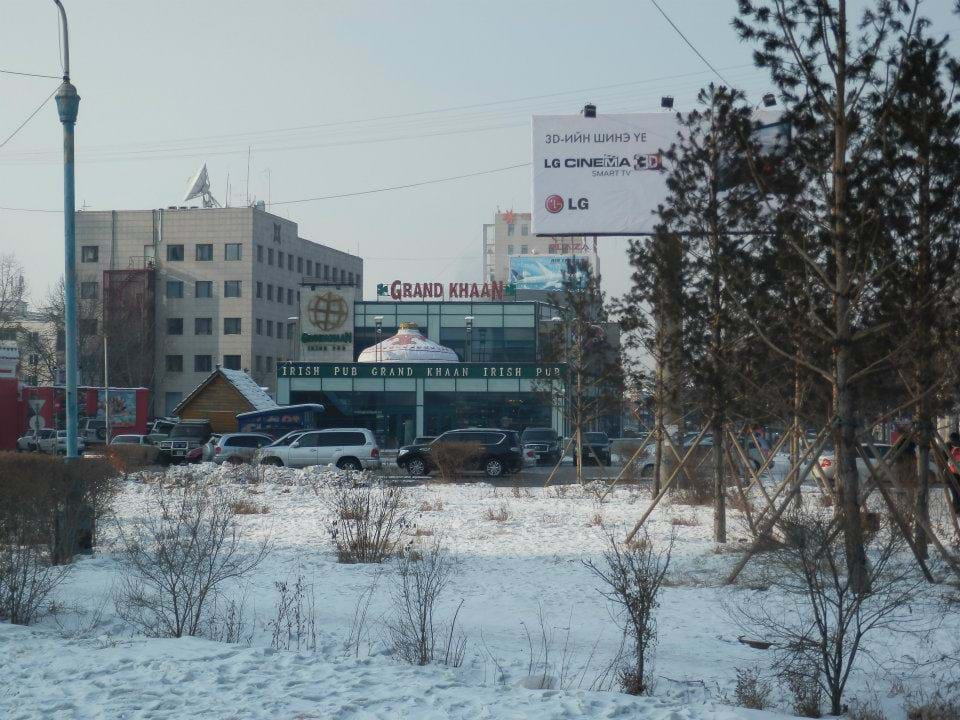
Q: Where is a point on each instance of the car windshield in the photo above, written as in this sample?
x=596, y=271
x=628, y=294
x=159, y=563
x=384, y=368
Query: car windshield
x=539, y=435
x=595, y=437
x=125, y=440
x=189, y=431
x=287, y=439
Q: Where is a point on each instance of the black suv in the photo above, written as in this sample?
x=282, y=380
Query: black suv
x=184, y=437
x=595, y=445
x=500, y=452
x=544, y=442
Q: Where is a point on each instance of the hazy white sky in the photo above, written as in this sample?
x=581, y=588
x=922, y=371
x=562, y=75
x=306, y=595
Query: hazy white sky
x=337, y=97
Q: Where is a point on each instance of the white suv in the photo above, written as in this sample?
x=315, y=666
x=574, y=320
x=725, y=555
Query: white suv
x=347, y=448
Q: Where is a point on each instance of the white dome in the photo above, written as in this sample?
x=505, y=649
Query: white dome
x=408, y=346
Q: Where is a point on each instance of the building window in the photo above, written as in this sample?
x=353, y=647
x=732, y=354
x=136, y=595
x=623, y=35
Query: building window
x=510, y=229
x=269, y=291
x=290, y=263
x=259, y=326
x=88, y=327
x=89, y=253
x=89, y=290
x=231, y=288
x=509, y=249
x=205, y=252
x=289, y=296
x=300, y=265
x=258, y=363
x=326, y=272
x=260, y=253
x=231, y=251
x=259, y=289
x=202, y=363
x=290, y=326
x=231, y=326
x=523, y=249
x=524, y=229
x=350, y=279
x=203, y=289
x=276, y=233
x=280, y=259
x=174, y=289
x=203, y=326
x=269, y=328
x=269, y=364
x=231, y=362
x=279, y=294
x=269, y=256
x=309, y=268
x=174, y=363
x=174, y=253
x=174, y=326
x=171, y=400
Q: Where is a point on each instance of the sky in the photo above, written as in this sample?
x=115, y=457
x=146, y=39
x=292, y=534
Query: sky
x=331, y=98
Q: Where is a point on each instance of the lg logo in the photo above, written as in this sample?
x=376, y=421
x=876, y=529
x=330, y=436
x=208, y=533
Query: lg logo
x=555, y=204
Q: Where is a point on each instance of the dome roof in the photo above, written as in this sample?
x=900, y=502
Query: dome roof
x=407, y=346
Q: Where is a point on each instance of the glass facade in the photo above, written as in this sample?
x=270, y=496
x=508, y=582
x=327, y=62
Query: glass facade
x=510, y=411
x=392, y=416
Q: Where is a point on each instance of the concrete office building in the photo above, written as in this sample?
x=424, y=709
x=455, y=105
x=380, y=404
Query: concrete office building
x=182, y=290
x=510, y=235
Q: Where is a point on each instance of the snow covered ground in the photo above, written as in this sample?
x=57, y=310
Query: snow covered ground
x=84, y=662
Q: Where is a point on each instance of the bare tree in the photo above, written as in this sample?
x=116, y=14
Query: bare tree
x=634, y=573
x=818, y=623
x=13, y=288
x=176, y=560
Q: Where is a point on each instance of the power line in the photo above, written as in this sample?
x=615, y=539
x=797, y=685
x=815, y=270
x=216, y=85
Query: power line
x=699, y=54
x=26, y=74
x=36, y=210
x=29, y=118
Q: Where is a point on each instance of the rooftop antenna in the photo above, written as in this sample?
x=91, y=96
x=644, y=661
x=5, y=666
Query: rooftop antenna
x=247, y=191
x=200, y=187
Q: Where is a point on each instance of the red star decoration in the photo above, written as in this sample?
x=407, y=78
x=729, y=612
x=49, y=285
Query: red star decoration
x=509, y=216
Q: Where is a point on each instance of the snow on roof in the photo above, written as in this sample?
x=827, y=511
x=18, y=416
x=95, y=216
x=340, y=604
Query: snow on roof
x=254, y=394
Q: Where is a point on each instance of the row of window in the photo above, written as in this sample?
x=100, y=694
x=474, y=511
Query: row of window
x=175, y=253
x=524, y=229
x=523, y=249
x=204, y=289
x=260, y=324
x=290, y=293
x=202, y=363
x=281, y=259
x=204, y=326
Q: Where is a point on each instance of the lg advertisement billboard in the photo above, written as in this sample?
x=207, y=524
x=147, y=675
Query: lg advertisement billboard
x=602, y=175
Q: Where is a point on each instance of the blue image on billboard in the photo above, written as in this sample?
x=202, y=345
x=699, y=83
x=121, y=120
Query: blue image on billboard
x=543, y=272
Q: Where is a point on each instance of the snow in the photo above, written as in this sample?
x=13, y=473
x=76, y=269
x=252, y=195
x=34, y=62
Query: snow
x=84, y=662
x=248, y=387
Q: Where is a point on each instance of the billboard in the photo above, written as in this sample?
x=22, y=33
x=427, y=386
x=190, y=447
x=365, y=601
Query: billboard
x=540, y=272
x=123, y=406
x=602, y=175
x=326, y=323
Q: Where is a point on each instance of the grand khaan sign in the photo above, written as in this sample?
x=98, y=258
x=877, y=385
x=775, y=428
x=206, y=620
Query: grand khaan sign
x=326, y=323
x=472, y=371
x=400, y=290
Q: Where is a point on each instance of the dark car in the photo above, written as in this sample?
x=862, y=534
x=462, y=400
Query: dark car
x=544, y=442
x=184, y=437
x=594, y=445
x=500, y=452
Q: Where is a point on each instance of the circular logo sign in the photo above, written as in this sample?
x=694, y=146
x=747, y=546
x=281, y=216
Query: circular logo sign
x=554, y=204
x=327, y=311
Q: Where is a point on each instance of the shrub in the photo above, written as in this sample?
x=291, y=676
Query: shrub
x=867, y=711
x=752, y=691
x=177, y=558
x=452, y=458
x=294, y=624
x=242, y=506
x=684, y=521
x=803, y=683
x=596, y=520
x=936, y=708
x=128, y=459
x=435, y=506
x=368, y=522
x=500, y=514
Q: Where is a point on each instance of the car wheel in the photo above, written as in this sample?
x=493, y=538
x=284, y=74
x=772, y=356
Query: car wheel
x=416, y=468
x=646, y=472
x=349, y=464
x=235, y=460
x=493, y=468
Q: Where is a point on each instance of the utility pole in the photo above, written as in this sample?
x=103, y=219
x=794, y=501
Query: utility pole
x=68, y=102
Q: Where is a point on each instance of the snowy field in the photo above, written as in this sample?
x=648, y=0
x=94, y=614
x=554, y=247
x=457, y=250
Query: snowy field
x=522, y=575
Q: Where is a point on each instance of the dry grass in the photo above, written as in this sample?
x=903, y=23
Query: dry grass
x=499, y=514
x=596, y=520
x=936, y=708
x=737, y=502
x=688, y=521
x=428, y=506
x=423, y=532
x=246, y=507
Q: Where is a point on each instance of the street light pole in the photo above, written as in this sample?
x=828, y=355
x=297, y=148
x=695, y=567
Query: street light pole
x=68, y=102
x=468, y=349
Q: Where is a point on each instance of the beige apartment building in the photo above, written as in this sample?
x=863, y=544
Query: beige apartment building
x=179, y=291
x=510, y=235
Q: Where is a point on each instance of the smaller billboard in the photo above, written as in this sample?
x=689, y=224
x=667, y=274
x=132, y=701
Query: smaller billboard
x=542, y=272
x=123, y=406
x=326, y=323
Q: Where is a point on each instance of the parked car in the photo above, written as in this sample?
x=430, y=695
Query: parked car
x=236, y=448
x=828, y=462
x=56, y=442
x=544, y=442
x=347, y=448
x=160, y=428
x=205, y=452
x=45, y=440
x=424, y=439
x=195, y=455
x=184, y=437
x=594, y=447
x=28, y=443
x=129, y=440
x=500, y=452
x=93, y=431
x=755, y=447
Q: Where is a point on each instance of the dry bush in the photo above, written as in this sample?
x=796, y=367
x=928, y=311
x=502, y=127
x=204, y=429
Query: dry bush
x=866, y=711
x=596, y=520
x=694, y=483
x=434, y=506
x=423, y=532
x=177, y=558
x=684, y=521
x=294, y=622
x=453, y=458
x=742, y=503
x=803, y=683
x=368, y=522
x=519, y=492
x=936, y=708
x=634, y=575
x=129, y=459
x=229, y=624
x=752, y=691
x=500, y=514
x=242, y=506
x=415, y=635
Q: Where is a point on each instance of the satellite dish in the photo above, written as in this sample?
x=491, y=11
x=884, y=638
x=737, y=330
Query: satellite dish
x=200, y=187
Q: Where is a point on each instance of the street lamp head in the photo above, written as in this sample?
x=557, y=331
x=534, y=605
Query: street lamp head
x=293, y=318
x=68, y=102
x=769, y=100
